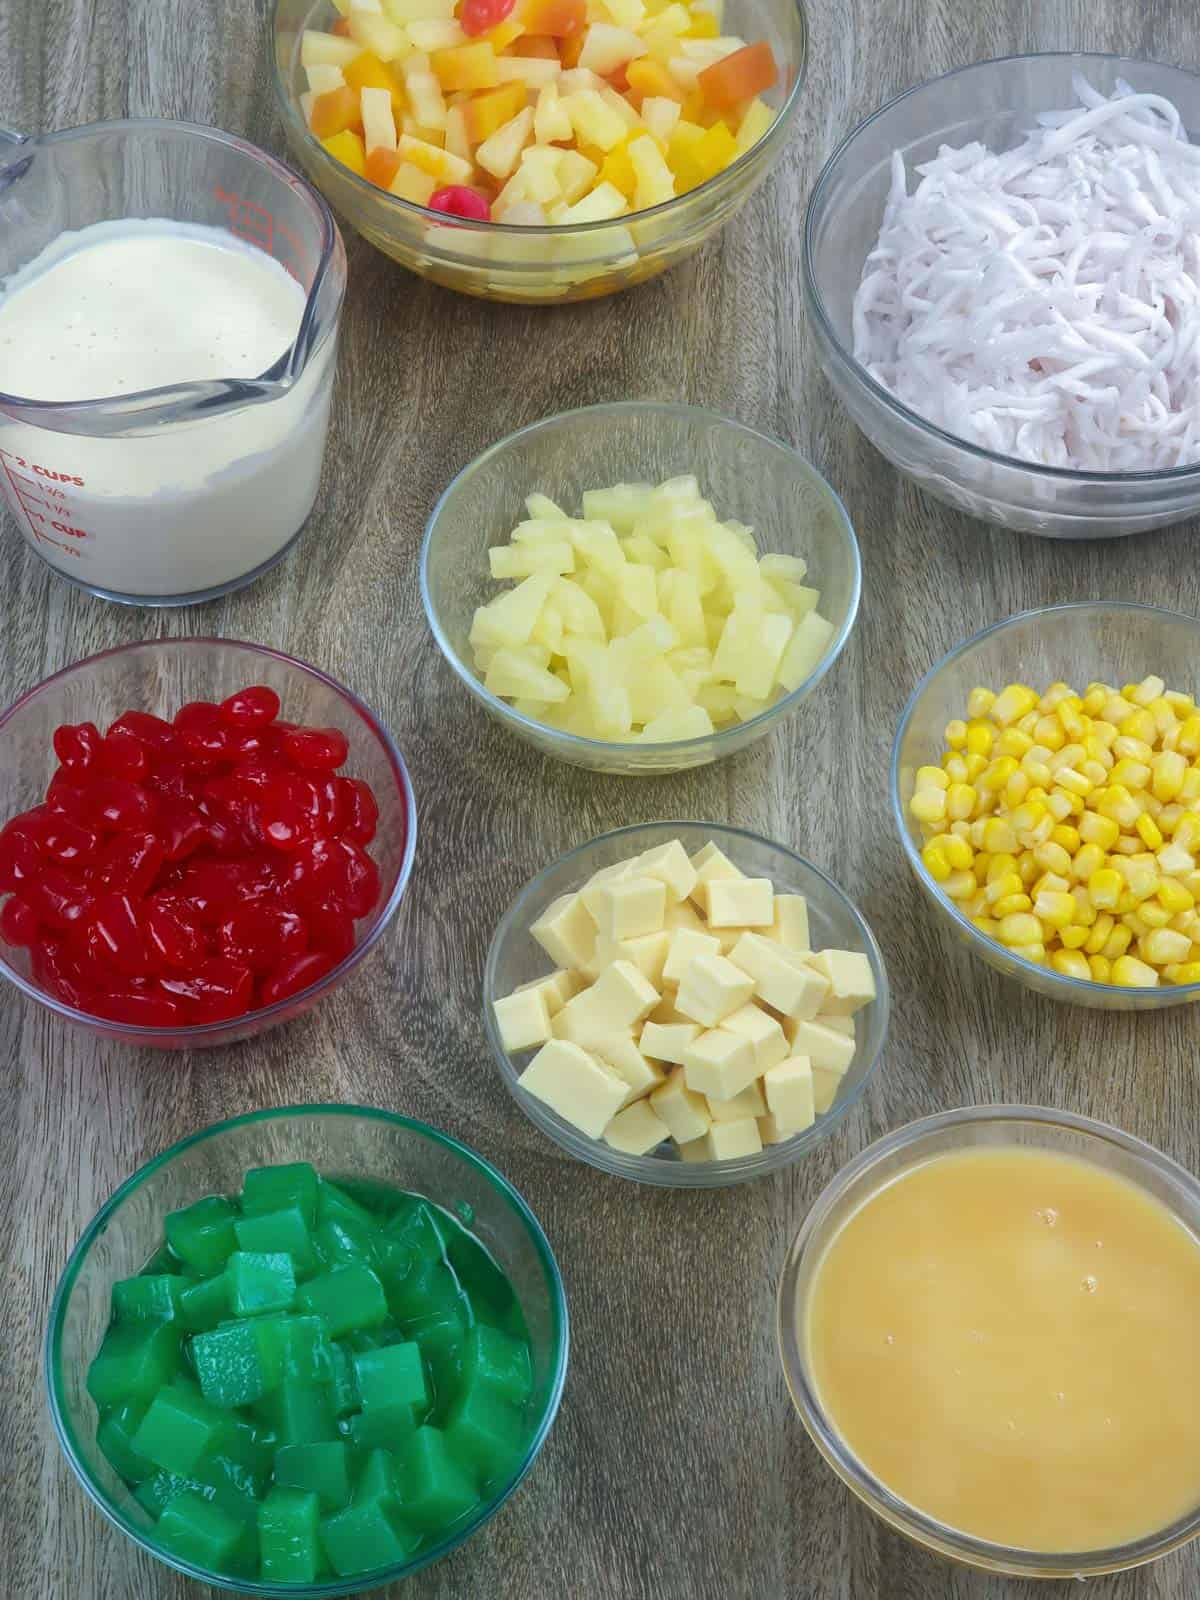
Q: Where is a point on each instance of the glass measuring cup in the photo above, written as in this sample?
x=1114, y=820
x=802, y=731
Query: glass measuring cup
x=177, y=494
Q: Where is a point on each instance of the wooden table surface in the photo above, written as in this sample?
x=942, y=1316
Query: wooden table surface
x=676, y=1468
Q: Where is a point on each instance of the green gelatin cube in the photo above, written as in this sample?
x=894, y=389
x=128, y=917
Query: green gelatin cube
x=483, y=1433
x=347, y=1298
x=229, y=1364
x=199, y=1531
x=499, y=1362
x=280, y=1188
x=340, y=1244
x=377, y=1482
x=177, y=1430
x=149, y=1298
x=307, y=1353
x=134, y=1362
x=364, y=1537
x=236, y=1487
x=115, y=1439
x=202, y=1235
x=434, y=1489
x=156, y=1493
x=320, y=1469
x=260, y=1281
x=204, y=1304
x=383, y=1427
x=335, y=1205
x=289, y=1547
x=393, y=1375
x=279, y=1232
x=342, y=1383
x=300, y=1413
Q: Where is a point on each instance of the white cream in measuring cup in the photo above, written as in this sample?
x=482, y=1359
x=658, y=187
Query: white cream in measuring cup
x=190, y=505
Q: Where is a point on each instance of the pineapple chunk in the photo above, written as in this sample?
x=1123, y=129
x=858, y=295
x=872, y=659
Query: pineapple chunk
x=532, y=71
x=324, y=77
x=424, y=92
x=499, y=154
x=522, y=561
x=756, y=119
x=403, y=12
x=606, y=48
x=551, y=123
x=576, y=175
x=431, y=158
x=510, y=618
x=808, y=644
x=595, y=123
x=655, y=181
x=457, y=143
x=327, y=49
x=379, y=35
x=514, y=674
x=435, y=33
x=539, y=168
x=660, y=116
x=601, y=205
x=379, y=123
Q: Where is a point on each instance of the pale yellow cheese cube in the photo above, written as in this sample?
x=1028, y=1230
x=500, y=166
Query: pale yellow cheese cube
x=685, y=945
x=556, y=988
x=712, y=988
x=666, y=1011
x=570, y=1081
x=838, y=1024
x=741, y=903
x=629, y=1062
x=670, y=863
x=682, y=916
x=791, y=922
x=566, y=932
x=797, y=991
x=851, y=981
x=763, y=1031
x=623, y=908
x=749, y=1103
x=826, y=1083
x=769, y=1130
x=523, y=1020
x=789, y=1090
x=726, y=1141
x=666, y=1041
x=621, y=997
x=614, y=873
x=719, y=1064
x=823, y=1045
x=636, y=1130
x=648, y=953
x=710, y=865
x=684, y=1112
x=694, y=1150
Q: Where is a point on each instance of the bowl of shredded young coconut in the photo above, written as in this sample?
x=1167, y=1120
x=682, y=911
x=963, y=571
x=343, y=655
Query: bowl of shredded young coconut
x=1002, y=271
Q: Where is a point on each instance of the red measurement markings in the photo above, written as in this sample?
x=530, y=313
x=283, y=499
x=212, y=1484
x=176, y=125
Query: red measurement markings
x=28, y=494
x=247, y=221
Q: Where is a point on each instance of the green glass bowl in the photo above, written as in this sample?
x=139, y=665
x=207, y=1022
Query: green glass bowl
x=347, y=1141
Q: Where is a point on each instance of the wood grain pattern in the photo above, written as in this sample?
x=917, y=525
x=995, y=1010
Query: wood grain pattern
x=677, y=1468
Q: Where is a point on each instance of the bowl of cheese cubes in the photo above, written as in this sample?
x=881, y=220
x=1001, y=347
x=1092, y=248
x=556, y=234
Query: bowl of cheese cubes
x=640, y=588
x=538, y=150
x=685, y=1004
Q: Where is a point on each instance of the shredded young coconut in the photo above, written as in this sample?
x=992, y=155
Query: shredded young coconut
x=1045, y=303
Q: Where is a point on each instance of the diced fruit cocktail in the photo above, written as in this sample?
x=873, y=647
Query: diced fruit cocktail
x=190, y=871
x=312, y=1379
x=536, y=112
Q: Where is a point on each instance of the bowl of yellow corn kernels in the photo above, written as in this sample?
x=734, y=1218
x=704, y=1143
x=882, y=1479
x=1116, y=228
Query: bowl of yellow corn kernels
x=1046, y=786
x=538, y=150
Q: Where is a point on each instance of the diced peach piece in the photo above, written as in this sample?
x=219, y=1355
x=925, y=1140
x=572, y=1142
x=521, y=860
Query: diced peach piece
x=504, y=34
x=468, y=66
x=559, y=18
x=488, y=112
x=617, y=169
x=347, y=147
x=739, y=77
x=382, y=166
x=650, y=78
x=367, y=71
x=341, y=28
x=336, y=111
x=538, y=46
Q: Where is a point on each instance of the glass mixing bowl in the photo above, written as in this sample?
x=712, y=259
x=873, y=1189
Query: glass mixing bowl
x=746, y=475
x=340, y=1141
x=966, y=1128
x=995, y=102
x=547, y=265
x=160, y=676
x=1107, y=641
x=515, y=958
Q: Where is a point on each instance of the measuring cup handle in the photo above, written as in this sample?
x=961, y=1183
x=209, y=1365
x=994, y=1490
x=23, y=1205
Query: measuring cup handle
x=11, y=136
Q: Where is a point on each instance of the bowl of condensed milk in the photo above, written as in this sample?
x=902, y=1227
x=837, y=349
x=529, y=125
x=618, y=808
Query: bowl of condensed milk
x=990, y=1326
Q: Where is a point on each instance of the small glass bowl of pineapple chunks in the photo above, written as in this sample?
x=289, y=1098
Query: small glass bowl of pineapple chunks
x=640, y=588
x=538, y=151
x=685, y=1004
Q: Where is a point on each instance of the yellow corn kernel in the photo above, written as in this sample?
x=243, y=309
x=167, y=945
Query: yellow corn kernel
x=1117, y=942
x=1168, y=770
x=1089, y=858
x=959, y=853
x=1164, y=945
x=1011, y=904
x=1104, y=926
x=1189, y=737
x=1128, y=845
x=1019, y=927
x=998, y=835
x=1074, y=937
x=1067, y=838
x=1005, y=883
x=960, y=885
x=928, y=805
x=1188, y=972
x=1187, y=831
x=1029, y=815
x=1130, y=973
x=1000, y=863
x=1049, y=733
x=1190, y=791
x=1142, y=879
x=1071, y=964
x=1096, y=772
x=1012, y=703
x=979, y=703
x=1067, y=712
x=1168, y=818
x=1148, y=832
x=932, y=778
x=1015, y=790
x=1074, y=782
x=1012, y=742
x=1101, y=968
x=1094, y=699
x=998, y=773
x=1105, y=887
x=954, y=769
x=1119, y=806
x=936, y=864
x=1085, y=911
x=1133, y=774
x=1153, y=914
x=1116, y=710
x=1053, y=881
x=1138, y=725
x=1061, y=804
x=980, y=738
x=1052, y=857
x=1027, y=868
x=1057, y=692
x=960, y=801
x=987, y=925
x=972, y=766
x=1030, y=952
x=1173, y=897
x=1145, y=693
x=1055, y=909
x=956, y=734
